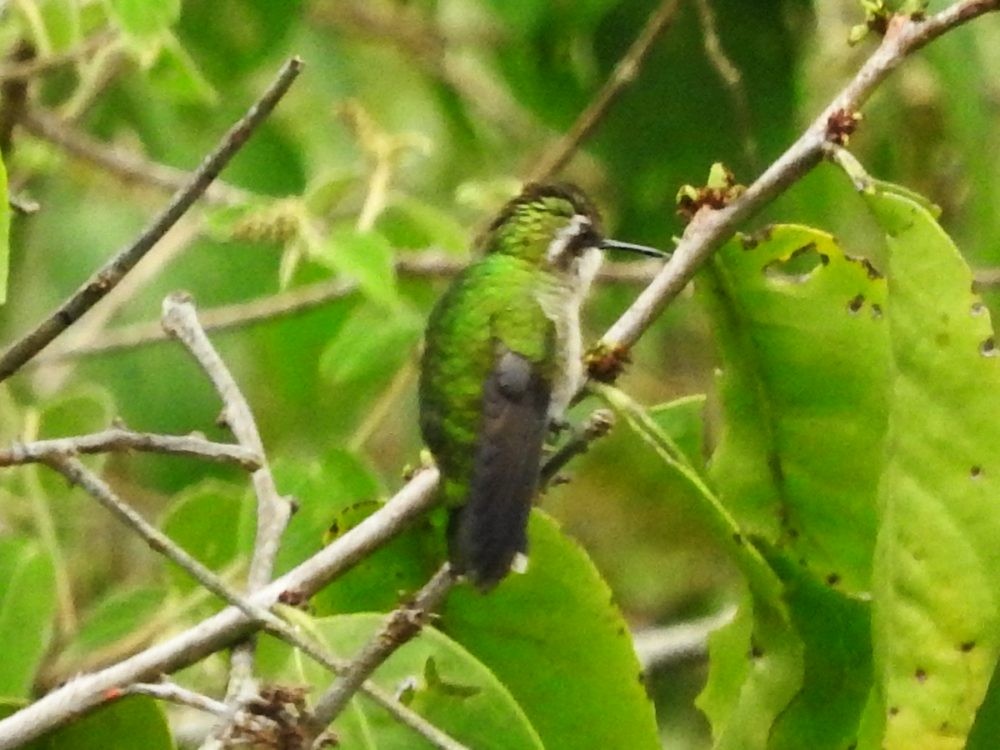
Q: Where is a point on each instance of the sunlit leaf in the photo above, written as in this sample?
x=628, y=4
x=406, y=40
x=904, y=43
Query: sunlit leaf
x=804, y=345
x=937, y=578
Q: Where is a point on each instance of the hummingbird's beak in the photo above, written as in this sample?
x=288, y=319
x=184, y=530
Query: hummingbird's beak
x=641, y=249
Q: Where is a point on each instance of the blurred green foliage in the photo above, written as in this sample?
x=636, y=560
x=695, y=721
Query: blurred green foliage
x=413, y=121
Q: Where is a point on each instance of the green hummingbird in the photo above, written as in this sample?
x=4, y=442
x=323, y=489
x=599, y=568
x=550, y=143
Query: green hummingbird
x=502, y=360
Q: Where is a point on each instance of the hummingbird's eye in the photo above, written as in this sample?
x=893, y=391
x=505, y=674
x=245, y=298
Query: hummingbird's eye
x=586, y=238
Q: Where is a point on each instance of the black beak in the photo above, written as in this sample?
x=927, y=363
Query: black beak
x=641, y=249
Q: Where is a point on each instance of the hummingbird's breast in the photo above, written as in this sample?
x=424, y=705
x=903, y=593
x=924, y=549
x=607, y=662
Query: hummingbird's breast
x=561, y=296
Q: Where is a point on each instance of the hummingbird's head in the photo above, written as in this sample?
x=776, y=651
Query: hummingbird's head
x=556, y=227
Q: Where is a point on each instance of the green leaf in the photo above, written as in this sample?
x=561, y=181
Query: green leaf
x=767, y=663
x=411, y=223
x=4, y=232
x=369, y=346
x=114, y=618
x=804, y=345
x=557, y=641
x=489, y=718
x=144, y=18
x=836, y=631
x=937, y=580
x=366, y=257
x=132, y=723
x=175, y=74
x=27, y=612
x=214, y=522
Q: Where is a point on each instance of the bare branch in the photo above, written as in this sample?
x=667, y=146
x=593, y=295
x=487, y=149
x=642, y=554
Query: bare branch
x=182, y=696
x=625, y=72
x=130, y=167
x=709, y=229
x=83, y=693
x=80, y=475
x=123, y=261
x=273, y=511
x=399, y=628
x=120, y=439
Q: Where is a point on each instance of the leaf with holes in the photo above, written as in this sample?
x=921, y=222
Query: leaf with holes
x=936, y=619
x=804, y=346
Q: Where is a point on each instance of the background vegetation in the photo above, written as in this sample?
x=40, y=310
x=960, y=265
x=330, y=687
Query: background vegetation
x=412, y=122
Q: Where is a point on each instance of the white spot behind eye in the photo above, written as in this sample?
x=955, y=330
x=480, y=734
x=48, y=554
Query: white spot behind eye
x=579, y=223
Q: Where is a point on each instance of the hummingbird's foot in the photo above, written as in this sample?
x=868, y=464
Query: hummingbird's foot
x=558, y=425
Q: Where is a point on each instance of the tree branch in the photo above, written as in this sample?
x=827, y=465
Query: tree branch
x=123, y=262
x=120, y=439
x=174, y=693
x=711, y=228
x=83, y=693
x=260, y=616
x=399, y=627
x=273, y=511
x=624, y=73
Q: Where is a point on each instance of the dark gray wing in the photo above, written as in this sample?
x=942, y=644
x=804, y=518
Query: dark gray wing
x=487, y=532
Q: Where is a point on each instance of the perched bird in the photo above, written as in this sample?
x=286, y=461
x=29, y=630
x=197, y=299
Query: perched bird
x=502, y=359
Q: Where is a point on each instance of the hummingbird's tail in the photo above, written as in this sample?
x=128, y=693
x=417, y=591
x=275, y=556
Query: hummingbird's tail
x=489, y=529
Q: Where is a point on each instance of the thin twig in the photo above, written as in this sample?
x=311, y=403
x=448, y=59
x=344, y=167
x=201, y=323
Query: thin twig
x=273, y=511
x=20, y=71
x=182, y=696
x=596, y=426
x=78, y=474
x=130, y=167
x=120, y=439
x=83, y=693
x=730, y=75
x=258, y=614
x=107, y=277
x=711, y=228
x=399, y=627
x=300, y=300
x=625, y=72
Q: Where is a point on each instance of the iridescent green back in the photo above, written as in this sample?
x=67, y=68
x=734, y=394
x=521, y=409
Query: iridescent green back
x=491, y=304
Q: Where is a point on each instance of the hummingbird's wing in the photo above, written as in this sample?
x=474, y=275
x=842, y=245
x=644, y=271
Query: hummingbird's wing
x=490, y=528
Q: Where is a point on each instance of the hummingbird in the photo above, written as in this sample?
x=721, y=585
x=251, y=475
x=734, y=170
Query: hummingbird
x=502, y=360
